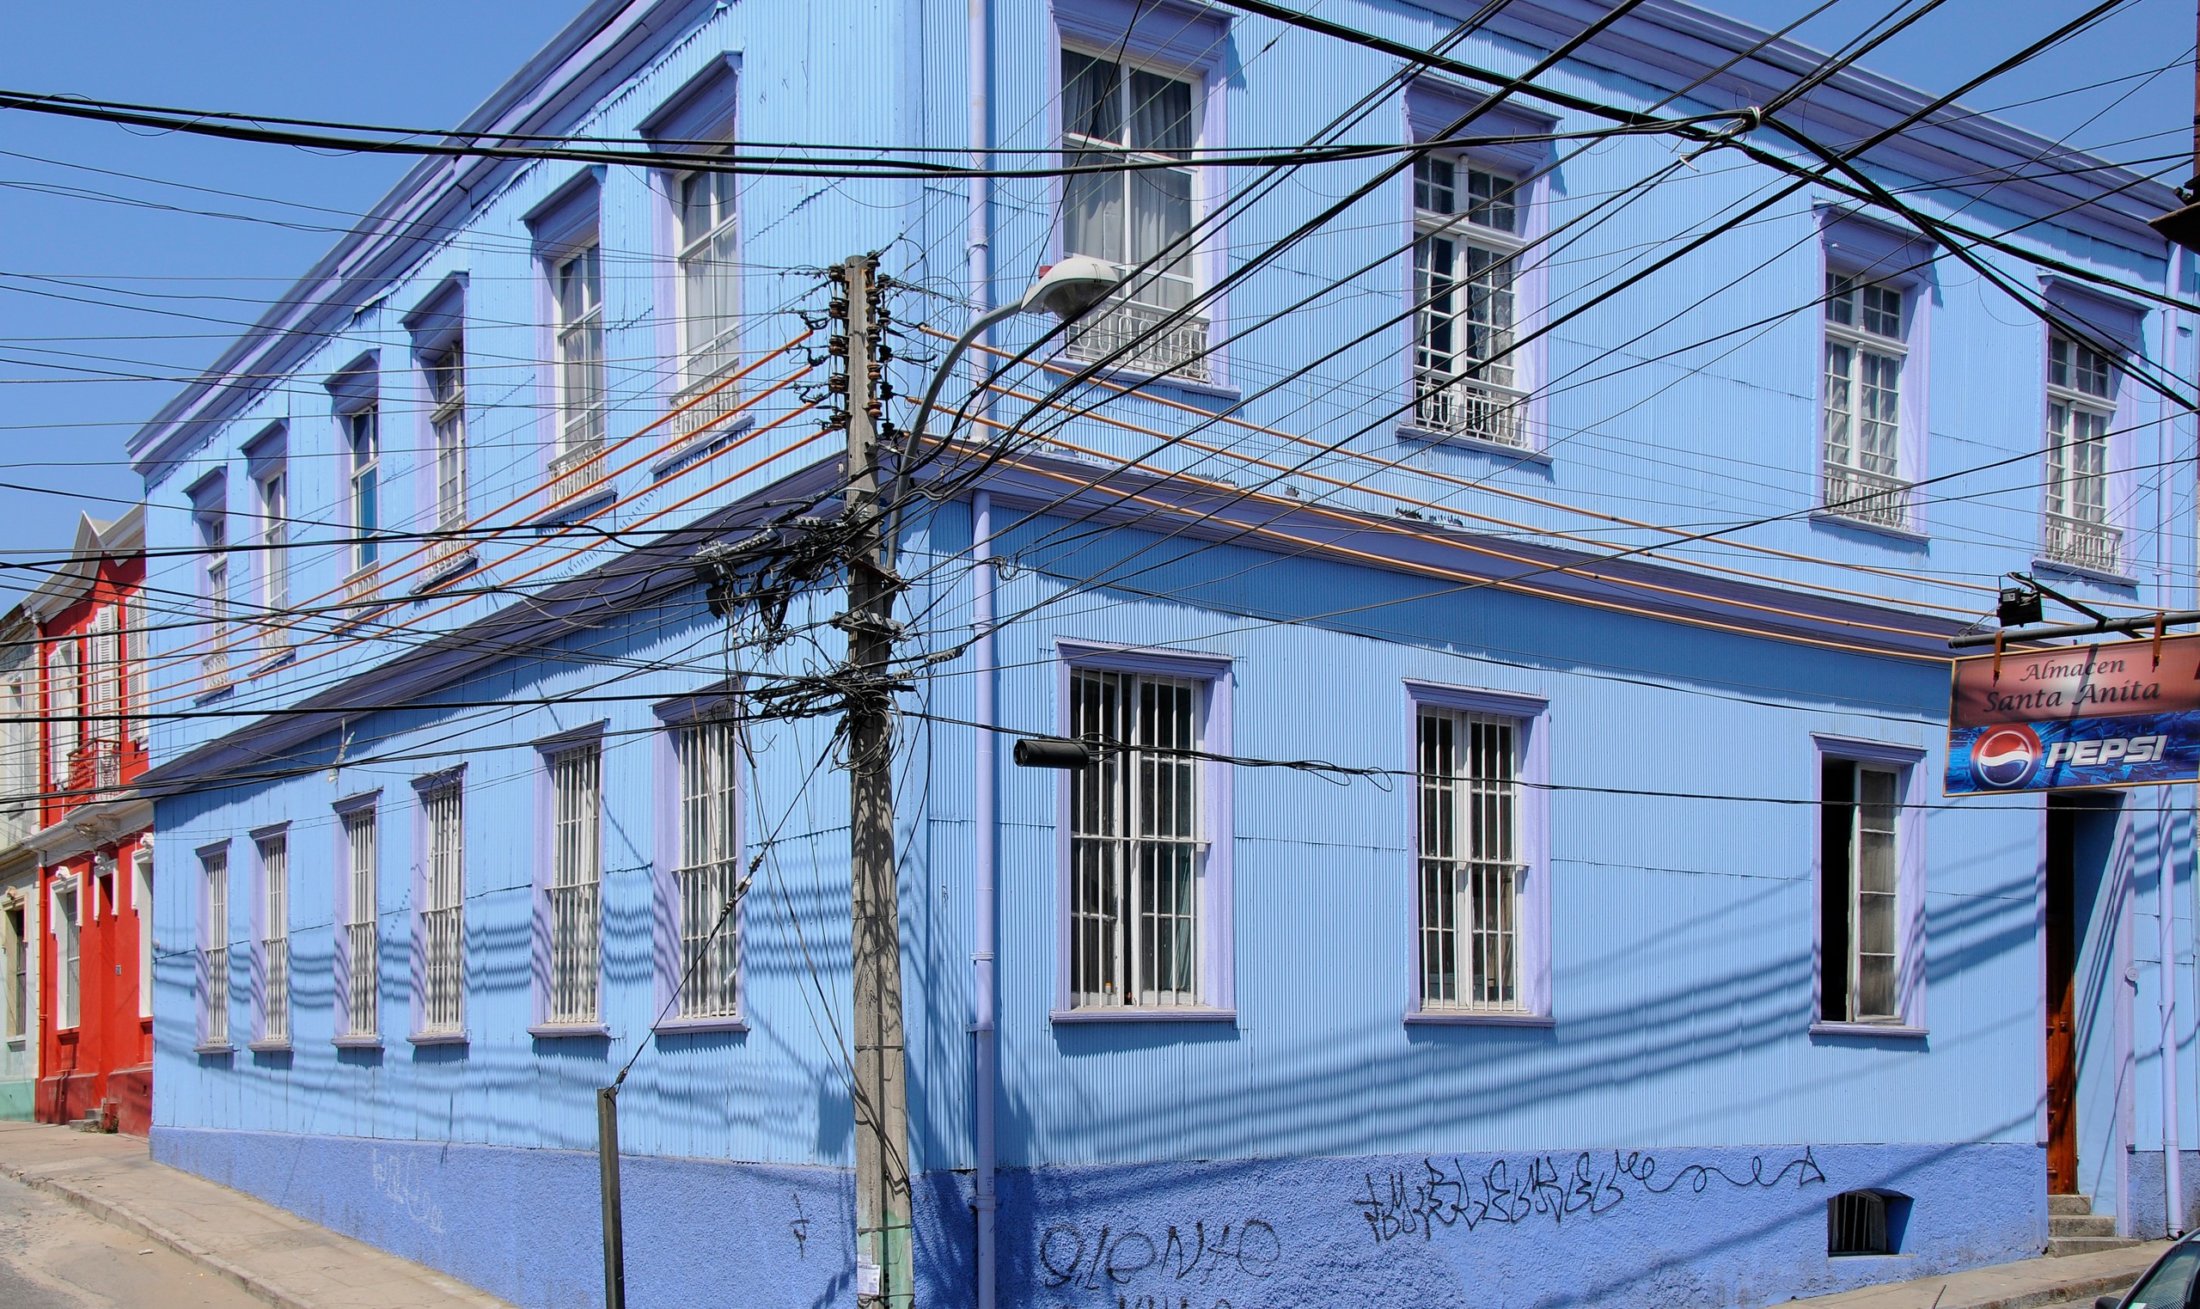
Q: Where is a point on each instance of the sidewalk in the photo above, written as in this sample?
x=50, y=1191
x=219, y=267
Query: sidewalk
x=2026, y=1284
x=277, y=1256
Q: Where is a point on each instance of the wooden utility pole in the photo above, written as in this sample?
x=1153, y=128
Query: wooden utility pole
x=883, y=1263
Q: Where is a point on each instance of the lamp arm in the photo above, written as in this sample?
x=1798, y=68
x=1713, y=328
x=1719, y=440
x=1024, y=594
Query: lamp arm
x=954, y=353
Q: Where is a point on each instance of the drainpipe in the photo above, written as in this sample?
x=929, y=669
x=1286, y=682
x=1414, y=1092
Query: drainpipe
x=985, y=892
x=2166, y=878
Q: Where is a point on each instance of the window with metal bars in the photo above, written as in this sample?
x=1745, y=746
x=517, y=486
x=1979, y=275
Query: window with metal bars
x=709, y=870
x=442, y=911
x=1471, y=864
x=1138, y=844
x=1466, y=269
x=275, y=936
x=1866, y=1222
x=216, y=947
x=575, y=918
x=363, y=987
x=1859, y=924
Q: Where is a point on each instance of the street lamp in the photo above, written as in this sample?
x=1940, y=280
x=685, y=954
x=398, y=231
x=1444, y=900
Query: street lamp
x=1068, y=290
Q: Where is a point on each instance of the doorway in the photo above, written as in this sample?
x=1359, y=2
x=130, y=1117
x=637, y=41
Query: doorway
x=2081, y=833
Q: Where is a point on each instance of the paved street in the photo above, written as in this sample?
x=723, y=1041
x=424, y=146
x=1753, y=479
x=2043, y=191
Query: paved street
x=53, y=1256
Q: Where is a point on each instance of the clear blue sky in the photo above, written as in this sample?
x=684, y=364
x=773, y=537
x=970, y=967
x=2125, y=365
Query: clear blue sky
x=147, y=275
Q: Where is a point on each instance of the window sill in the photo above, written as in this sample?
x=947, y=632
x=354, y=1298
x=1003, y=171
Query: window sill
x=1455, y=441
x=357, y=1042
x=696, y=446
x=17, y=1042
x=1130, y=379
x=214, y=1049
x=697, y=1026
x=1135, y=1014
x=270, y=1047
x=1893, y=1031
x=212, y=694
x=1908, y=535
x=2080, y=570
x=1470, y=1018
x=437, y=1038
x=568, y=1031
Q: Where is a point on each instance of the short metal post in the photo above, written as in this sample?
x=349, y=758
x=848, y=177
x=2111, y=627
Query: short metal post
x=607, y=1158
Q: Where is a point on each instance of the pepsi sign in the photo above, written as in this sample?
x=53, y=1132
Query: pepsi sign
x=2116, y=714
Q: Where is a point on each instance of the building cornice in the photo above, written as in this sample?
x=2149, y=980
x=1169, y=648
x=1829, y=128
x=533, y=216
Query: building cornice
x=90, y=826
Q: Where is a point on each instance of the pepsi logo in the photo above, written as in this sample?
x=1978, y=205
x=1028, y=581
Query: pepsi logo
x=2005, y=757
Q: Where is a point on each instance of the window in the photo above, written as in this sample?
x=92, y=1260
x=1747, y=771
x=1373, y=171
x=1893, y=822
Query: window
x=709, y=873
x=576, y=928
x=103, y=683
x=363, y=989
x=274, y=489
x=18, y=966
x=61, y=708
x=67, y=957
x=214, y=577
x=1860, y=918
x=275, y=936
x=1138, y=841
x=1111, y=112
x=447, y=419
x=710, y=286
x=1471, y=861
x=577, y=285
x=138, y=655
x=363, y=465
x=215, y=949
x=1466, y=266
x=2081, y=402
x=141, y=896
x=442, y=914
x=1865, y=352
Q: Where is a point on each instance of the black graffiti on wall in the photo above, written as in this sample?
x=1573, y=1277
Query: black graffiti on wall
x=1440, y=1196
x=1076, y=1256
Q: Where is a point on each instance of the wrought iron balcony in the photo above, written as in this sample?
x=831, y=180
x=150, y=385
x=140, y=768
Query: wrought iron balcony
x=2082, y=543
x=1132, y=336
x=706, y=418
x=1863, y=497
x=1457, y=407
x=573, y=470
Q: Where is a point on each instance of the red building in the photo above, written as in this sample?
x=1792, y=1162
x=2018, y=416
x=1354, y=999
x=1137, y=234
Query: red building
x=94, y=844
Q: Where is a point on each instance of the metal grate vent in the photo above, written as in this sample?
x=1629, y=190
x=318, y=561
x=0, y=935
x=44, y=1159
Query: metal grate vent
x=1856, y=1223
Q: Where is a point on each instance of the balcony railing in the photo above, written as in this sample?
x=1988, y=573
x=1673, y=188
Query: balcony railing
x=1479, y=410
x=573, y=470
x=447, y=553
x=1132, y=336
x=363, y=587
x=1863, y=497
x=103, y=763
x=214, y=666
x=2081, y=543
x=706, y=419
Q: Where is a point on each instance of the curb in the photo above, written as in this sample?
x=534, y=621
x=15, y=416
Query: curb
x=119, y=1216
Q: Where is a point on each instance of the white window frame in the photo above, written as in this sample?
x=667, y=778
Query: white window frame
x=103, y=677
x=1472, y=860
x=1104, y=967
x=707, y=875
x=443, y=907
x=360, y=836
x=1457, y=391
x=1862, y=433
x=15, y=926
x=214, y=949
x=64, y=691
x=573, y=896
x=213, y=521
x=138, y=654
x=710, y=256
x=445, y=371
x=1899, y=829
x=361, y=425
x=2079, y=527
x=68, y=955
x=141, y=896
x=274, y=856
x=273, y=489
x=578, y=347
x=1120, y=332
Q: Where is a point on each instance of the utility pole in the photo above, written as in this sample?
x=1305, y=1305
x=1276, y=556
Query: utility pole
x=883, y=1263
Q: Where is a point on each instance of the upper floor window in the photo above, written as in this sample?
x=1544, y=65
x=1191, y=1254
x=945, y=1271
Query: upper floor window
x=273, y=485
x=446, y=372
x=213, y=525
x=577, y=284
x=2081, y=408
x=1112, y=112
x=103, y=676
x=138, y=635
x=1139, y=930
x=63, y=686
x=362, y=429
x=1865, y=352
x=709, y=871
x=1466, y=266
x=710, y=286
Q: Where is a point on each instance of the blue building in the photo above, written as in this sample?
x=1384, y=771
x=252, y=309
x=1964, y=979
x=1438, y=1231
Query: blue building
x=1511, y=559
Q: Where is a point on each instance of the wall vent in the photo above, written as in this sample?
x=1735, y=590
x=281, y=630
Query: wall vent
x=1866, y=1222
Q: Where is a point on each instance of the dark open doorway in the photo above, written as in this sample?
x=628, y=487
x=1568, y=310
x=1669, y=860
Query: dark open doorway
x=2080, y=835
